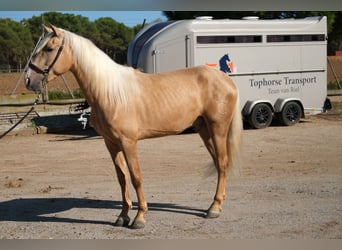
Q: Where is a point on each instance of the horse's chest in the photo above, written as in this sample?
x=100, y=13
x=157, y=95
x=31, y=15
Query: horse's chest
x=100, y=123
x=107, y=126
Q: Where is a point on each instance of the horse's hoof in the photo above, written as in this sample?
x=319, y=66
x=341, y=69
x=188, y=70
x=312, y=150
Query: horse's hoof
x=211, y=214
x=122, y=222
x=138, y=224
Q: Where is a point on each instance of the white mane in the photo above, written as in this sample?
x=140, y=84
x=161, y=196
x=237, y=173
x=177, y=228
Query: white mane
x=106, y=79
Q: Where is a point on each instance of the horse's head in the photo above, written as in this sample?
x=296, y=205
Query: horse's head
x=50, y=59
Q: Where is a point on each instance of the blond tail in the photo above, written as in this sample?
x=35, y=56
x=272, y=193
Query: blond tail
x=234, y=141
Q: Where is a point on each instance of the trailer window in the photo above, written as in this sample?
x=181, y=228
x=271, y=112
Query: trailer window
x=229, y=39
x=295, y=38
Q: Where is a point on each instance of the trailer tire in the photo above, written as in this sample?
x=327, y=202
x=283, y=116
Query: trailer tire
x=291, y=114
x=261, y=116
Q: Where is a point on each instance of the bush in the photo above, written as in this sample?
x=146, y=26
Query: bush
x=334, y=85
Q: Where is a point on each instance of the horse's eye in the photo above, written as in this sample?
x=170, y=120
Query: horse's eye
x=48, y=49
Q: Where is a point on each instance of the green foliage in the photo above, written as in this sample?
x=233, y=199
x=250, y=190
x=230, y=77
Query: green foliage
x=17, y=39
x=334, y=85
x=78, y=93
x=15, y=43
x=58, y=95
x=61, y=95
x=112, y=37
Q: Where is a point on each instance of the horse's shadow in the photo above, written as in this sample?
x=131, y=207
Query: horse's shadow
x=44, y=209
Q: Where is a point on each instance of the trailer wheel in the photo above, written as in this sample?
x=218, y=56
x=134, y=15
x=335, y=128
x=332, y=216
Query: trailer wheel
x=261, y=116
x=291, y=114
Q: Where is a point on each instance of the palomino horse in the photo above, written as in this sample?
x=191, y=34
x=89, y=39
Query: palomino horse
x=128, y=105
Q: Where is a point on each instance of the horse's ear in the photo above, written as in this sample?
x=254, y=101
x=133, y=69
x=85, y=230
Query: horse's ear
x=47, y=29
x=55, y=30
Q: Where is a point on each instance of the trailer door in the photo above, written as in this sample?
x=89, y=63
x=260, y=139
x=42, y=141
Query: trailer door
x=171, y=55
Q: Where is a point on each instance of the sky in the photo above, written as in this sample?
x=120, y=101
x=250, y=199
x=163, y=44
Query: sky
x=129, y=18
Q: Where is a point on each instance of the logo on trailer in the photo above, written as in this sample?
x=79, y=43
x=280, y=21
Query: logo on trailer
x=226, y=65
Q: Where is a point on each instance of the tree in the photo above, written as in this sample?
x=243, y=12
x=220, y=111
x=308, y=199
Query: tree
x=113, y=37
x=17, y=39
x=74, y=23
x=110, y=36
x=335, y=36
x=16, y=43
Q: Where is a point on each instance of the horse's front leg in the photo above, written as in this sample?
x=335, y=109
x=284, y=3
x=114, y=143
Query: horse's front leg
x=122, y=174
x=121, y=171
x=131, y=155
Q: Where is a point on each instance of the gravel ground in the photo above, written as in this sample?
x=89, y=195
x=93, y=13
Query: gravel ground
x=63, y=186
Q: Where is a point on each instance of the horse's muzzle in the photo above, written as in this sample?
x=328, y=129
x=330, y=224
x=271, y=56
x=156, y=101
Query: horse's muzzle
x=33, y=84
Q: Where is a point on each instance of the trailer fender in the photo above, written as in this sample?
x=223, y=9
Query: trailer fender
x=280, y=103
x=247, y=109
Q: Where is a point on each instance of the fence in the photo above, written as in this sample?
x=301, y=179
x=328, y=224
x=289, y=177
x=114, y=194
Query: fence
x=11, y=70
x=336, y=63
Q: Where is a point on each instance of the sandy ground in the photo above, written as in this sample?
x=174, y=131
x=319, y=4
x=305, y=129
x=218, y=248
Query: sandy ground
x=64, y=186
x=10, y=82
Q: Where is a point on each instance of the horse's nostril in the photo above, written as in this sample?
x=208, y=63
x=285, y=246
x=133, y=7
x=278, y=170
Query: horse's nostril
x=27, y=82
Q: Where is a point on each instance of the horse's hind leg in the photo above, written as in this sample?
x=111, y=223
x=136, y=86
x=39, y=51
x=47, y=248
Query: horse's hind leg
x=200, y=126
x=122, y=174
x=215, y=141
x=219, y=133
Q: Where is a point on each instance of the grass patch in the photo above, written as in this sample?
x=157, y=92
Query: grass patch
x=61, y=95
x=336, y=105
x=333, y=85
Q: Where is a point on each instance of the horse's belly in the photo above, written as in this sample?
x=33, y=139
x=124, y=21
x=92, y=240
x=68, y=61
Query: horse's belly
x=167, y=123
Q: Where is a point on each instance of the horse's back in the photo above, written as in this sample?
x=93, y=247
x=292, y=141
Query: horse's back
x=189, y=93
x=195, y=78
x=217, y=88
x=198, y=84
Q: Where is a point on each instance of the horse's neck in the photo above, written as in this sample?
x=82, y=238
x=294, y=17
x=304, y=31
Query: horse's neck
x=102, y=80
x=83, y=82
x=84, y=73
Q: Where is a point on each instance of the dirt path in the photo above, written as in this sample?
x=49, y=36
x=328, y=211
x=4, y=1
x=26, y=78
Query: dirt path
x=63, y=186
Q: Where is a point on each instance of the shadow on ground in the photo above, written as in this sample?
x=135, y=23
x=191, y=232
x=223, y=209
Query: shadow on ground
x=45, y=209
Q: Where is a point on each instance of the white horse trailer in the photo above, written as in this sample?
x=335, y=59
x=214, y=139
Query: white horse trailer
x=278, y=65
